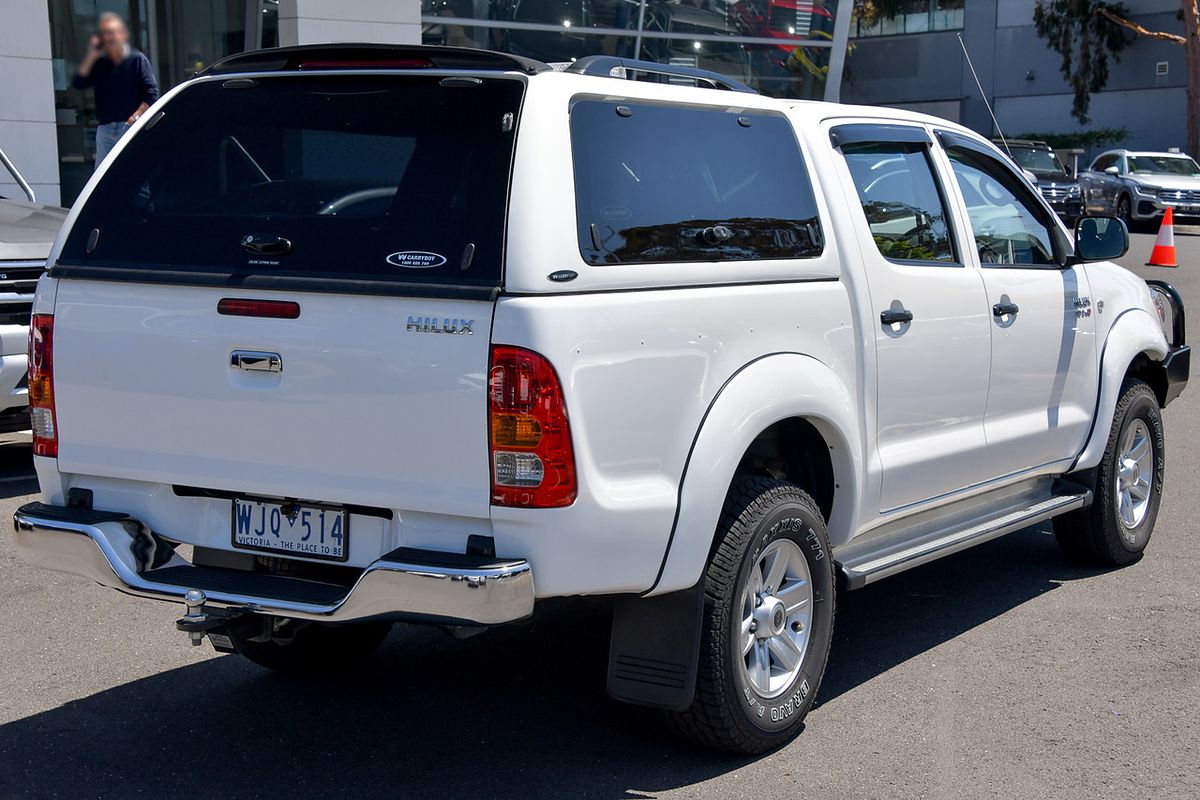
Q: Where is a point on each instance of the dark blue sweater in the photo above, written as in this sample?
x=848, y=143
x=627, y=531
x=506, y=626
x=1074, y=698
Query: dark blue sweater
x=120, y=88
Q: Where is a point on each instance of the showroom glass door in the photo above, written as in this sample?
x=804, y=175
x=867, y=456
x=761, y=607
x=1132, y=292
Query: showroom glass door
x=180, y=37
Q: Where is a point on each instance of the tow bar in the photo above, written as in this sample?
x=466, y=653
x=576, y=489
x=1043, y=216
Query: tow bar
x=199, y=622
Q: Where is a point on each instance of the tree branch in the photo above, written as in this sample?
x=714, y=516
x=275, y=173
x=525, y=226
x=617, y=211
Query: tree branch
x=1138, y=29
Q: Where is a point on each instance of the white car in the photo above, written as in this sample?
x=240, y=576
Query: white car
x=27, y=231
x=1141, y=186
x=348, y=335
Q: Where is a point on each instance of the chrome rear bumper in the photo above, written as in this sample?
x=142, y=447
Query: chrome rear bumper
x=118, y=551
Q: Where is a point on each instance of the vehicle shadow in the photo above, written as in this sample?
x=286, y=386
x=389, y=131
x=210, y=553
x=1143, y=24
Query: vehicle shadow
x=517, y=712
x=16, y=466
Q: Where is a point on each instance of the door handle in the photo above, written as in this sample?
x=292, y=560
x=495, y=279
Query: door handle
x=1004, y=309
x=894, y=316
x=256, y=361
x=266, y=245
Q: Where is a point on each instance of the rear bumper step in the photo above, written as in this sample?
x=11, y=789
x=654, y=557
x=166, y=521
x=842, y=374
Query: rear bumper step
x=420, y=585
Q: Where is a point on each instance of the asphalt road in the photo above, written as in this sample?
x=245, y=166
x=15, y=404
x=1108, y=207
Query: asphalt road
x=1000, y=672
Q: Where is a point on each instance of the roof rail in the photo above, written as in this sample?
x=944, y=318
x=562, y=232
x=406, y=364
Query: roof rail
x=370, y=56
x=614, y=67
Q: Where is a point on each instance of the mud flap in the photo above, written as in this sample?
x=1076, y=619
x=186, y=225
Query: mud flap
x=655, y=649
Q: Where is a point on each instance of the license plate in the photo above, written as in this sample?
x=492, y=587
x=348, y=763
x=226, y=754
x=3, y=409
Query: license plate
x=1188, y=209
x=296, y=529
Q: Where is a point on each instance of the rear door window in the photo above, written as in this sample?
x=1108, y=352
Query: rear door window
x=657, y=183
x=901, y=199
x=359, y=181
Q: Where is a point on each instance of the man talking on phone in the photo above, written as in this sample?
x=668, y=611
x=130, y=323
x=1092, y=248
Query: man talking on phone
x=122, y=79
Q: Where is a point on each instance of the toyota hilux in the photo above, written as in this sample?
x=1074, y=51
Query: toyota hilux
x=344, y=335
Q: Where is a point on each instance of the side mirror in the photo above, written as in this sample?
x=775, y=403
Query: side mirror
x=1100, y=239
x=1111, y=171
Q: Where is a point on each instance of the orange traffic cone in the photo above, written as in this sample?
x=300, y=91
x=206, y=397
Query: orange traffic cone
x=1163, y=254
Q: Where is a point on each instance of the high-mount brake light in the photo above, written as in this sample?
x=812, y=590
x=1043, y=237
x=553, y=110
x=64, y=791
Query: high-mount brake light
x=533, y=463
x=415, y=62
x=273, y=309
x=41, y=386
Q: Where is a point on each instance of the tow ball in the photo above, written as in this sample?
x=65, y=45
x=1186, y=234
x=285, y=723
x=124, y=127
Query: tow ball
x=198, y=622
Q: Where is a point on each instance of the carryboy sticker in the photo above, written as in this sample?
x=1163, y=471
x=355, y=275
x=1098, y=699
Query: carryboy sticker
x=416, y=259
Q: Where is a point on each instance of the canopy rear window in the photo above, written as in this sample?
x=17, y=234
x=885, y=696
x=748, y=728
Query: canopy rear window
x=664, y=183
x=351, y=183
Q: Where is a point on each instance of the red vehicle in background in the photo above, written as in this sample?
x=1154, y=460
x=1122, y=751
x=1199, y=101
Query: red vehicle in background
x=782, y=19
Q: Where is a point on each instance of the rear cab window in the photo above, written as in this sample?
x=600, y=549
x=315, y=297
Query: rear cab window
x=377, y=183
x=901, y=199
x=659, y=183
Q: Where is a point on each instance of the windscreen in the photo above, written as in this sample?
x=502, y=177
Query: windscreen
x=1041, y=162
x=379, y=181
x=1164, y=165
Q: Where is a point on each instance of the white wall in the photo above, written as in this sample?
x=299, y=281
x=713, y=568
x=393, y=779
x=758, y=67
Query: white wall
x=27, y=132
x=314, y=21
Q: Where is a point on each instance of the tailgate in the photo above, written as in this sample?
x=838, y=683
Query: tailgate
x=377, y=203
x=366, y=409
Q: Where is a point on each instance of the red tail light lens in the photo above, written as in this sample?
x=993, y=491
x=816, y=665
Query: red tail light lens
x=414, y=62
x=533, y=464
x=41, y=385
x=273, y=309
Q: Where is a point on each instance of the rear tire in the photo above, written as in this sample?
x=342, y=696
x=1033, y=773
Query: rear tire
x=1116, y=528
x=764, y=647
x=316, y=647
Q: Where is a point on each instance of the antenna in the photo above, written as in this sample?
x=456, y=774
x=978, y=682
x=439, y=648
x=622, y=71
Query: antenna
x=974, y=75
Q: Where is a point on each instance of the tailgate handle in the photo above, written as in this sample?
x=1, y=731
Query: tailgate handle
x=256, y=361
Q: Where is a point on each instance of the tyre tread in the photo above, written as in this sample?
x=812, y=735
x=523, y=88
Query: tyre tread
x=710, y=719
x=1082, y=535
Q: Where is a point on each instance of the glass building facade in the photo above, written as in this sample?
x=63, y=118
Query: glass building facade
x=913, y=16
x=779, y=47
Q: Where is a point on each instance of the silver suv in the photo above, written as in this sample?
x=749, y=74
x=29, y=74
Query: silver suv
x=1141, y=186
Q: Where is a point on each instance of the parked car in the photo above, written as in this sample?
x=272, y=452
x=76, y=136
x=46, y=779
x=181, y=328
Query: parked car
x=1050, y=175
x=27, y=231
x=310, y=360
x=1141, y=186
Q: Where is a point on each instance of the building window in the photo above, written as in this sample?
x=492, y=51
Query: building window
x=912, y=16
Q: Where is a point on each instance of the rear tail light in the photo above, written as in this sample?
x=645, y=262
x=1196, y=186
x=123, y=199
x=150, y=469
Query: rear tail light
x=533, y=464
x=41, y=385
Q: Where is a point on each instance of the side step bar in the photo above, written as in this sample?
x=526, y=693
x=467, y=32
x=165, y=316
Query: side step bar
x=882, y=556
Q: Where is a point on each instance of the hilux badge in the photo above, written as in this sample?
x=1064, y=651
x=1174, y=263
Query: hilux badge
x=416, y=259
x=440, y=325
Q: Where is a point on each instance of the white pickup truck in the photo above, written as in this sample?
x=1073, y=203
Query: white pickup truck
x=348, y=335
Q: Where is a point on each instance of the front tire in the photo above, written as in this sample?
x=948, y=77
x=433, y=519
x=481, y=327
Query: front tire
x=1125, y=211
x=314, y=647
x=768, y=620
x=1116, y=528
